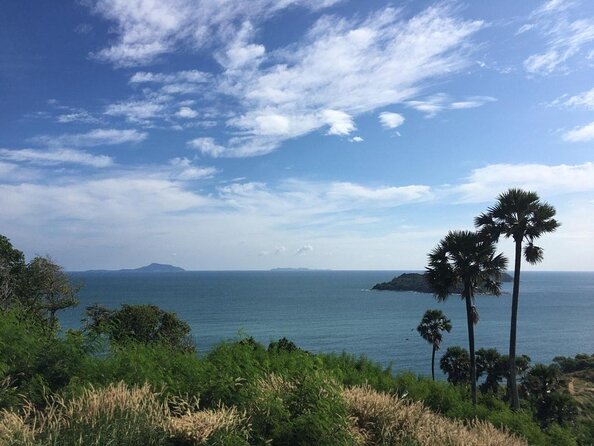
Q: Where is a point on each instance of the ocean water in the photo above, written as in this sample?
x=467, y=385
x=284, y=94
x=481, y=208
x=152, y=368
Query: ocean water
x=332, y=311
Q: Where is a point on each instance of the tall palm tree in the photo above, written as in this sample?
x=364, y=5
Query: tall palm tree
x=467, y=259
x=521, y=215
x=433, y=324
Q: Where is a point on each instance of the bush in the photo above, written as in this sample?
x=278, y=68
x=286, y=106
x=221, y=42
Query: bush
x=143, y=324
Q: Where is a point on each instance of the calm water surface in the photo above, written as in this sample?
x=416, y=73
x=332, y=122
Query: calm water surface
x=332, y=311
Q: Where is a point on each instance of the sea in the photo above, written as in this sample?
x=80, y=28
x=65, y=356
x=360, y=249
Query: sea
x=336, y=311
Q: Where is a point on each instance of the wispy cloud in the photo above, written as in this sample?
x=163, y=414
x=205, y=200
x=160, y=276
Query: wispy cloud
x=186, y=76
x=147, y=29
x=437, y=103
x=77, y=116
x=96, y=137
x=55, y=156
x=137, y=111
x=342, y=68
x=581, y=100
x=580, y=134
x=207, y=146
x=565, y=37
x=184, y=169
x=487, y=182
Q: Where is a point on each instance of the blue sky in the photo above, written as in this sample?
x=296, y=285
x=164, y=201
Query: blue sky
x=317, y=133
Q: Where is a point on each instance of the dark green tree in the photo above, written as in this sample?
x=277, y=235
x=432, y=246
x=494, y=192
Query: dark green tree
x=520, y=215
x=145, y=324
x=282, y=344
x=464, y=257
x=431, y=329
x=493, y=366
x=546, y=389
x=455, y=363
x=12, y=268
x=48, y=290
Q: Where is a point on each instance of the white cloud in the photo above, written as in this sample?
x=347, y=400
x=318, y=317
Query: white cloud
x=391, y=195
x=100, y=201
x=137, y=111
x=525, y=28
x=183, y=169
x=77, y=116
x=186, y=76
x=391, y=120
x=127, y=216
x=10, y=172
x=186, y=113
x=300, y=201
x=584, y=100
x=437, y=103
x=340, y=122
x=305, y=249
x=486, y=183
x=55, y=156
x=356, y=139
x=207, y=146
x=553, y=6
x=580, y=134
x=341, y=69
x=96, y=137
x=565, y=37
x=240, y=52
x=147, y=29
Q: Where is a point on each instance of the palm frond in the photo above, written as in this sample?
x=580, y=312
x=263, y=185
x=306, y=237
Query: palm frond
x=533, y=254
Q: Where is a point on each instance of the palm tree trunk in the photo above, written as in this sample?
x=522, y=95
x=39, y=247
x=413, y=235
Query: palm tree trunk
x=512, y=383
x=470, y=321
x=433, y=363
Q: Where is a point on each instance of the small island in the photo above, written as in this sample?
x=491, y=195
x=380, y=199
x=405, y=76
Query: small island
x=152, y=268
x=417, y=282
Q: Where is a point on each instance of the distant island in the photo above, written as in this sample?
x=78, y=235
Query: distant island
x=152, y=268
x=417, y=282
x=296, y=269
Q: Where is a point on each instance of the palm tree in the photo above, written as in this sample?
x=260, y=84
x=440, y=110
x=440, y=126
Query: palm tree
x=467, y=259
x=431, y=327
x=521, y=215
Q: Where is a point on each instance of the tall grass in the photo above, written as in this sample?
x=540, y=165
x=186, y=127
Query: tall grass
x=387, y=420
x=283, y=412
x=118, y=415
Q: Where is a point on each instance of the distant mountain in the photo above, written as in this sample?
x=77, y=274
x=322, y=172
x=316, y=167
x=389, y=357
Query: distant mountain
x=417, y=282
x=152, y=268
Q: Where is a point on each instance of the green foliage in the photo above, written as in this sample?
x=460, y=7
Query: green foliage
x=144, y=324
x=48, y=290
x=491, y=365
x=432, y=326
x=301, y=405
x=282, y=344
x=33, y=363
x=308, y=409
x=581, y=361
x=545, y=388
x=12, y=266
x=455, y=363
x=41, y=286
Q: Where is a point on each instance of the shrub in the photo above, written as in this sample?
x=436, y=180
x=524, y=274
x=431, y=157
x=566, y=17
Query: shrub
x=303, y=411
x=143, y=324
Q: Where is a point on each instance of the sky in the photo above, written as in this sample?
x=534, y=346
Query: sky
x=230, y=134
